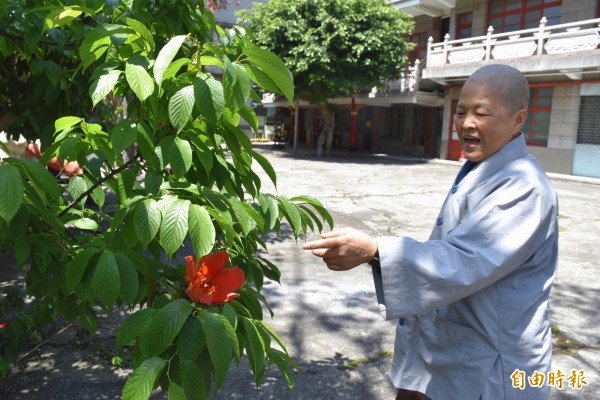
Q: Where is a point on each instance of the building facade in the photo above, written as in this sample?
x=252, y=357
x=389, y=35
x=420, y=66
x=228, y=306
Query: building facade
x=555, y=43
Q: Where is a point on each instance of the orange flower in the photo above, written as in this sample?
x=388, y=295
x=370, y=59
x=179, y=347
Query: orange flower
x=209, y=282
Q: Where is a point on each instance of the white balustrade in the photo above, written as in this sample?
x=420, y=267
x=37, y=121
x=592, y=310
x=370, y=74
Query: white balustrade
x=563, y=38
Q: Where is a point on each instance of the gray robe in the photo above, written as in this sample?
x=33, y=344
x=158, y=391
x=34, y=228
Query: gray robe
x=472, y=301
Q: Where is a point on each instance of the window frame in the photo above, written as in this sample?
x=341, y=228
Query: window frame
x=414, y=53
x=532, y=109
x=460, y=26
x=520, y=11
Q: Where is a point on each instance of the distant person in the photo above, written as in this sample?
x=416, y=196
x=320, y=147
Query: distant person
x=472, y=301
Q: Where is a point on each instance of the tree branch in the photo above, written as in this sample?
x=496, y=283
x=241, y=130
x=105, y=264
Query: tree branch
x=22, y=39
x=98, y=183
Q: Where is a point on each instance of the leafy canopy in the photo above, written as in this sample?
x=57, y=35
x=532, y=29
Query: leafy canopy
x=334, y=47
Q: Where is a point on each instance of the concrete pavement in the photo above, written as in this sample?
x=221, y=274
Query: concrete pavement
x=330, y=321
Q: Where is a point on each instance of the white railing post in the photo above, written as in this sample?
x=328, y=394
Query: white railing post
x=445, y=54
x=416, y=74
x=429, y=43
x=488, y=43
x=540, y=46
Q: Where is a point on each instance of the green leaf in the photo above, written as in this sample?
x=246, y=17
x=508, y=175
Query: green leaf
x=89, y=320
x=192, y=377
x=204, y=154
x=123, y=135
x=271, y=332
x=60, y=17
x=241, y=215
x=191, y=340
x=273, y=67
x=53, y=72
x=250, y=117
x=140, y=383
x=66, y=122
x=75, y=268
x=165, y=56
x=174, y=226
x=133, y=326
x=239, y=139
x=69, y=148
x=243, y=83
x=164, y=326
x=140, y=81
x=152, y=181
x=317, y=205
x=42, y=180
x=180, y=157
x=269, y=269
x=11, y=192
x=94, y=45
x=202, y=230
x=270, y=210
x=181, y=105
x=310, y=214
x=221, y=342
x=98, y=196
x=291, y=214
x=283, y=362
x=147, y=220
x=233, y=88
x=176, y=392
x=142, y=31
x=22, y=251
x=256, y=349
x=163, y=151
x=146, y=143
x=261, y=78
x=84, y=224
x=210, y=99
x=174, y=67
x=77, y=186
x=129, y=279
x=265, y=165
x=104, y=85
x=107, y=280
x=230, y=314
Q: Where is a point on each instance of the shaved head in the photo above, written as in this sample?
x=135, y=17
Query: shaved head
x=507, y=83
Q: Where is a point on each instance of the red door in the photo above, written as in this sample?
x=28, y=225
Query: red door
x=454, y=148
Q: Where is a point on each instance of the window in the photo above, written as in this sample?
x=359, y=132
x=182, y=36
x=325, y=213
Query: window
x=464, y=22
x=538, y=119
x=514, y=15
x=588, y=131
x=420, y=50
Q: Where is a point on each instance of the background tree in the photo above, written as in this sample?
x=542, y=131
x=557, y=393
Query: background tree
x=172, y=231
x=333, y=48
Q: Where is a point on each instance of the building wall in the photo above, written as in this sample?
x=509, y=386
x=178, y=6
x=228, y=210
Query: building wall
x=558, y=155
x=423, y=24
x=446, y=122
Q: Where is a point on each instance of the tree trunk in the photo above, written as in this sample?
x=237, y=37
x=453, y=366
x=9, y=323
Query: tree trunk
x=326, y=137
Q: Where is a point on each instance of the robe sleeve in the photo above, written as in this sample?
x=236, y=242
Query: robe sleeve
x=508, y=229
